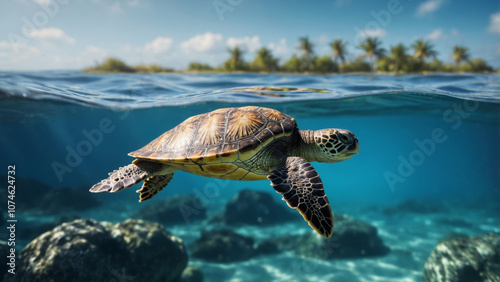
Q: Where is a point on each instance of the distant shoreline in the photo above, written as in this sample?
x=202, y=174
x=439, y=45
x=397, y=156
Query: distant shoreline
x=191, y=72
x=304, y=65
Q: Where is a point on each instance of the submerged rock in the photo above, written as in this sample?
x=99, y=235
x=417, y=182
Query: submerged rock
x=223, y=246
x=351, y=239
x=89, y=250
x=191, y=274
x=465, y=259
x=153, y=250
x=251, y=207
x=180, y=209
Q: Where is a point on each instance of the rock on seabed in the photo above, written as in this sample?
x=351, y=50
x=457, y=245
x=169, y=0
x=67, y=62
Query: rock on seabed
x=223, y=245
x=179, y=209
x=351, y=238
x=250, y=207
x=89, y=250
x=466, y=259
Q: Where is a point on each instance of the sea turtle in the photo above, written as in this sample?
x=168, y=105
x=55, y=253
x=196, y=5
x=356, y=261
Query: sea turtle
x=247, y=143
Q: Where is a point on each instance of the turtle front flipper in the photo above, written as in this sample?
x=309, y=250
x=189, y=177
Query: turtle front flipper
x=153, y=185
x=302, y=189
x=126, y=176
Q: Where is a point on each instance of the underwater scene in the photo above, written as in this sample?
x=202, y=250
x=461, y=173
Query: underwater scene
x=418, y=200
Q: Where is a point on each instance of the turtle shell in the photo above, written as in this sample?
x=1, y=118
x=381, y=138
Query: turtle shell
x=222, y=136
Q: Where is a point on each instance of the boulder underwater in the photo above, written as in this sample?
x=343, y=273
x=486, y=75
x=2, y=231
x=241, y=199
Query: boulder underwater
x=179, y=209
x=223, y=245
x=351, y=238
x=465, y=259
x=90, y=250
x=251, y=207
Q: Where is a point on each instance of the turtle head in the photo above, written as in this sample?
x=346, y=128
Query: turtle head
x=335, y=145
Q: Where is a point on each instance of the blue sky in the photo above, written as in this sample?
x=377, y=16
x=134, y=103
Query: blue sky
x=72, y=34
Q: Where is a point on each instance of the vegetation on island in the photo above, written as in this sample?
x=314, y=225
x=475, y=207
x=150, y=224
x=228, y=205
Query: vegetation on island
x=114, y=65
x=419, y=57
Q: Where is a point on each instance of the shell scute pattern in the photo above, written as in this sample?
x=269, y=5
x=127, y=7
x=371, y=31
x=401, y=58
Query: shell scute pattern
x=272, y=114
x=265, y=136
x=249, y=144
x=179, y=137
x=289, y=125
x=222, y=136
x=275, y=127
x=244, y=125
x=212, y=130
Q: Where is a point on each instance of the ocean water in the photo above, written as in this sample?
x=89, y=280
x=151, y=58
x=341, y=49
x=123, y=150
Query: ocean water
x=424, y=138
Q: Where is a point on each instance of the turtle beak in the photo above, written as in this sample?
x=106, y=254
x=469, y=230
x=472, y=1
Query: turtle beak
x=354, y=147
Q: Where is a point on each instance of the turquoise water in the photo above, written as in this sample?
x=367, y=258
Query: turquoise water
x=432, y=137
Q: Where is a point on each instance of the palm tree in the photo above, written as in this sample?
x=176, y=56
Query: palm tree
x=460, y=53
x=236, y=61
x=236, y=54
x=372, y=48
x=265, y=60
x=307, y=48
x=398, y=55
x=423, y=50
x=339, y=49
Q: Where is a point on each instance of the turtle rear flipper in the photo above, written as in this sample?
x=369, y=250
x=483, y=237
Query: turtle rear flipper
x=153, y=185
x=126, y=176
x=302, y=189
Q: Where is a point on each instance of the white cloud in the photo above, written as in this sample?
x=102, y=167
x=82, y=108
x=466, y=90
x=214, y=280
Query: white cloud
x=27, y=57
x=27, y=51
x=436, y=34
x=378, y=32
x=203, y=43
x=52, y=33
x=159, y=45
x=133, y=3
x=340, y=3
x=94, y=51
x=428, y=7
x=4, y=45
x=455, y=32
x=495, y=23
x=21, y=52
x=91, y=56
x=127, y=48
x=323, y=39
x=249, y=44
x=43, y=2
x=281, y=49
x=116, y=8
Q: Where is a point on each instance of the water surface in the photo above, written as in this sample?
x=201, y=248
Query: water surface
x=432, y=137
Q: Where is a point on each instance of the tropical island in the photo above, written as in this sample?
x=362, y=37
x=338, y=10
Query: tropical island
x=419, y=57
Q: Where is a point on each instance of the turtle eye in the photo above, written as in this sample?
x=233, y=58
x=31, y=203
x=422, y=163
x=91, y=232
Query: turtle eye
x=344, y=138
